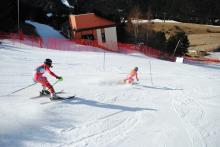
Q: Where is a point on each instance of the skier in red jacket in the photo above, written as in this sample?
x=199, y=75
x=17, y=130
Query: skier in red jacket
x=40, y=78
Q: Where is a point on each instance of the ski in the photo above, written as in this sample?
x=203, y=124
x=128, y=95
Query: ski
x=135, y=83
x=63, y=98
x=46, y=95
x=59, y=98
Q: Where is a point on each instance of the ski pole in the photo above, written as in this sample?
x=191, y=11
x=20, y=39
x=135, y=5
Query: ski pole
x=54, y=83
x=23, y=88
x=151, y=74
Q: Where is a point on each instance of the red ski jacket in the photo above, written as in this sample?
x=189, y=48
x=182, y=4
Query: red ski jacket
x=39, y=71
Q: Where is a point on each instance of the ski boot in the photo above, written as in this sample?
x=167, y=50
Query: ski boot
x=53, y=96
x=44, y=92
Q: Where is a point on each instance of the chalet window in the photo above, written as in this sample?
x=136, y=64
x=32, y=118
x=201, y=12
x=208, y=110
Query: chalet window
x=103, y=37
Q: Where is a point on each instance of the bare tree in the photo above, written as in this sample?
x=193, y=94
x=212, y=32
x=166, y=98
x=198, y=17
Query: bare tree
x=134, y=19
x=149, y=14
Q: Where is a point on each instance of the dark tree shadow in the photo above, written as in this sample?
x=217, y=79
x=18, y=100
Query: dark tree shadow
x=93, y=103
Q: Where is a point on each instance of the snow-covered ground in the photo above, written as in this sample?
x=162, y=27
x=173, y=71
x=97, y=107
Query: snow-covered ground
x=154, y=20
x=215, y=55
x=173, y=105
x=161, y=21
x=66, y=3
x=45, y=31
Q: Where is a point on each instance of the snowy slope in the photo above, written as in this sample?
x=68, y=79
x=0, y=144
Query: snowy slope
x=66, y=3
x=45, y=31
x=179, y=108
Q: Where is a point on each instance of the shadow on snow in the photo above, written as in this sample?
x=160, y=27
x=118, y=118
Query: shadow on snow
x=157, y=87
x=94, y=103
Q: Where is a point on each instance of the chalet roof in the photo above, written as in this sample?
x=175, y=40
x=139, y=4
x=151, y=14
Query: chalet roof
x=88, y=21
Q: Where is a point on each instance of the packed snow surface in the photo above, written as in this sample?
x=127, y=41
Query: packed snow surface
x=173, y=104
x=66, y=3
x=45, y=31
x=153, y=20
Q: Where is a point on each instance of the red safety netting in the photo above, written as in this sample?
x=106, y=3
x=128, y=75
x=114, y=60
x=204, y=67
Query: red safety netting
x=148, y=51
x=81, y=45
x=25, y=39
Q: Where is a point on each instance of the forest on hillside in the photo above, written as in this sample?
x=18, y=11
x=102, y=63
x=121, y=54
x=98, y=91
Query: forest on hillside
x=197, y=11
x=55, y=13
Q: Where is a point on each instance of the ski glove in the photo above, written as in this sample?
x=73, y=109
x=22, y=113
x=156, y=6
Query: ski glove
x=60, y=78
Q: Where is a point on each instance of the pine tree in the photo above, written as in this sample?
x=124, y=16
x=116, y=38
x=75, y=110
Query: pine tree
x=158, y=41
x=178, y=44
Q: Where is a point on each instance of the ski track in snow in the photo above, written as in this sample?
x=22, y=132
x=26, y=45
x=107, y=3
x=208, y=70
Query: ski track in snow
x=183, y=106
x=99, y=130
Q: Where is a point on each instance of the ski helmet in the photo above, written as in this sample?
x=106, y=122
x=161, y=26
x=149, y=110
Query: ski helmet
x=48, y=62
x=136, y=68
